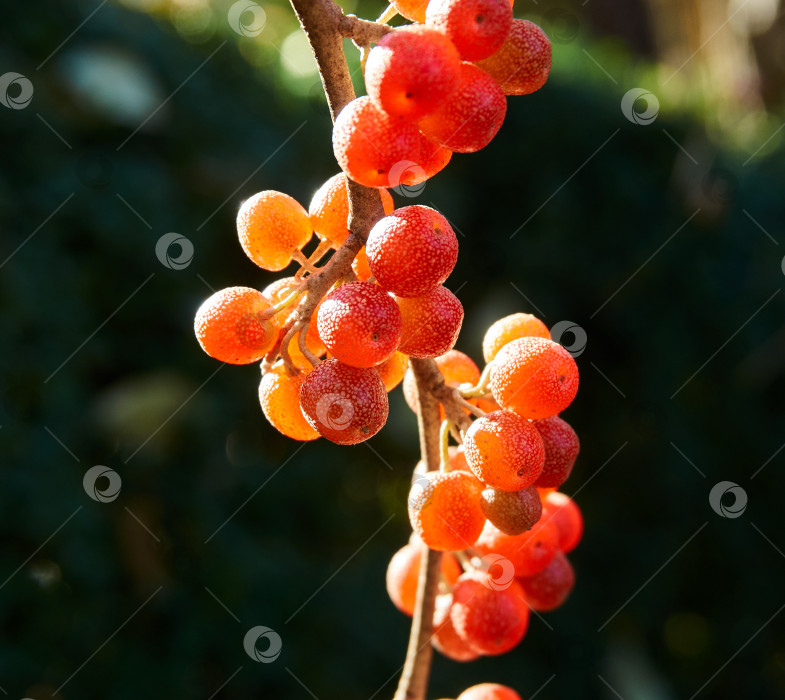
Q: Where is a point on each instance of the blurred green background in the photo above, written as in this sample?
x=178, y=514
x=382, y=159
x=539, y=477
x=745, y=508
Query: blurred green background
x=662, y=241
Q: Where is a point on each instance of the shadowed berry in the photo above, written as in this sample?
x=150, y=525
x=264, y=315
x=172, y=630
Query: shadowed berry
x=561, y=451
x=564, y=513
x=529, y=552
x=547, y=590
x=512, y=512
x=403, y=572
x=446, y=639
x=489, y=691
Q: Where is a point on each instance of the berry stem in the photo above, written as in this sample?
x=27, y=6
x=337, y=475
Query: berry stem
x=303, y=345
x=481, y=389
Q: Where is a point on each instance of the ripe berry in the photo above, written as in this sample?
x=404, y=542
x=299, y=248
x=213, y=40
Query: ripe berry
x=522, y=64
x=360, y=324
x=433, y=157
x=472, y=115
x=478, y=28
x=534, y=377
x=490, y=620
x=342, y=403
x=504, y=451
x=360, y=266
x=431, y=323
x=271, y=226
x=529, y=552
x=511, y=328
x=403, y=573
x=446, y=639
x=561, y=450
x=329, y=209
x=413, y=10
x=564, y=513
x=457, y=368
x=279, y=396
x=412, y=251
x=229, y=326
x=411, y=71
x=444, y=510
x=489, y=691
x=393, y=369
x=547, y=590
x=368, y=143
x=512, y=512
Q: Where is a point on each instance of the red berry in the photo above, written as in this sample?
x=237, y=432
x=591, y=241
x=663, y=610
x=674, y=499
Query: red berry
x=412, y=251
x=512, y=512
x=504, y=451
x=564, y=513
x=489, y=691
x=468, y=119
x=369, y=143
x=359, y=324
x=534, y=377
x=478, y=28
x=529, y=552
x=342, y=403
x=491, y=621
x=431, y=323
x=446, y=639
x=522, y=64
x=411, y=71
x=403, y=573
x=547, y=590
x=433, y=157
x=561, y=450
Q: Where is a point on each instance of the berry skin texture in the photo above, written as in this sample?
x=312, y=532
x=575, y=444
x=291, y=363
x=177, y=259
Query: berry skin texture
x=413, y=10
x=430, y=323
x=369, y=143
x=534, y=377
x=404, y=570
x=229, y=326
x=271, y=226
x=359, y=324
x=345, y=404
x=279, y=396
x=393, y=369
x=478, y=28
x=522, y=64
x=491, y=621
x=445, y=638
x=489, y=691
x=504, y=451
x=511, y=328
x=329, y=209
x=444, y=510
x=411, y=70
x=564, y=513
x=529, y=552
x=512, y=512
x=433, y=157
x=412, y=251
x=561, y=450
x=469, y=119
x=549, y=589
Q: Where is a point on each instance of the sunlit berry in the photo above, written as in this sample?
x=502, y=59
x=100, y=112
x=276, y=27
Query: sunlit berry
x=403, y=572
x=489, y=691
x=512, y=512
x=529, y=552
x=393, y=369
x=478, y=28
x=431, y=323
x=446, y=639
x=279, y=396
x=511, y=328
x=561, y=451
x=360, y=266
x=549, y=589
x=565, y=514
x=411, y=9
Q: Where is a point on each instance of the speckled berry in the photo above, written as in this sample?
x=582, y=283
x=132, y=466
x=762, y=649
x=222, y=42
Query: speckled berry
x=489, y=691
x=511, y=328
x=478, y=28
x=549, y=589
x=512, y=512
x=561, y=450
x=431, y=323
x=565, y=514
x=403, y=572
x=529, y=552
x=446, y=639
x=279, y=396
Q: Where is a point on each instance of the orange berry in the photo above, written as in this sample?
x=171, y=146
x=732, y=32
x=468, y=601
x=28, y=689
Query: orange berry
x=360, y=266
x=511, y=328
x=529, y=552
x=504, y=451
x=456, y=367
x=434, y=158
x=329, y=209
x=413, y=10
x=446, y=639
x=566, y=516
x=229, y=326
x=271, y=226
x=489, y=691
x=444, y=510
x=279, y=396
x=404, y=571
x=522, y=64
x=393, y=369
x=431, y=323
x=534, y=377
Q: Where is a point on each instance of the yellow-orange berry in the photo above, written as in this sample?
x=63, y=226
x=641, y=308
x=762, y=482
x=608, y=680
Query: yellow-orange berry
x=360, y=266
x=393, y=369
x=279, y=396
x=511, y=328
x=413, y=10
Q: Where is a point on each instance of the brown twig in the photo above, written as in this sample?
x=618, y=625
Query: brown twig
x=363, y=32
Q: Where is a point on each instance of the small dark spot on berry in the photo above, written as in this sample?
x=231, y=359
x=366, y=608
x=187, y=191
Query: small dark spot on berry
x=375, y=336
x=561, y=377
x=520, y=472
x=479, y=19
x=364, y=429
x=408, y=96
